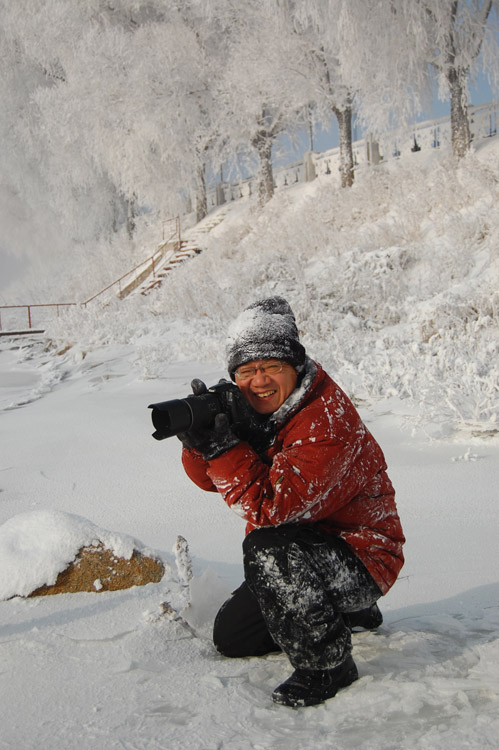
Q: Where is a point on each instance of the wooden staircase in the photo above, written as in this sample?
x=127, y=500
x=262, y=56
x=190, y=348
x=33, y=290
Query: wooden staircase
x=144, y=278
x=186, y=249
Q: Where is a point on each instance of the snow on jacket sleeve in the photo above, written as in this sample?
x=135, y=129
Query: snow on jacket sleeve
x=195, y=467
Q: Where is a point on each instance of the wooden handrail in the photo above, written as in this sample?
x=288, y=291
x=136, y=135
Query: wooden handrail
x=173, y=236
x=118, y=281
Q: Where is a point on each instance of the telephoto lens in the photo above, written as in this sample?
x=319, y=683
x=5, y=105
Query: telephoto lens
x=179, y=415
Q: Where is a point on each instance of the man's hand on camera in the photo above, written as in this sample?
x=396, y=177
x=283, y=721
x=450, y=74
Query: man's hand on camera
x=211, y=441
x=249, y=426
x=198, y=387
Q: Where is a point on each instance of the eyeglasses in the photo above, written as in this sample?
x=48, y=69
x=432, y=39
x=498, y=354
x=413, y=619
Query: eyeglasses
x=245, y=373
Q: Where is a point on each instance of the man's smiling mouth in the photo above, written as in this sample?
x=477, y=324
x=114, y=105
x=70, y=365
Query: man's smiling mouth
x=266, y=394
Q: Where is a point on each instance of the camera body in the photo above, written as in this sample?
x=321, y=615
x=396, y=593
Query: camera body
x=180, y=415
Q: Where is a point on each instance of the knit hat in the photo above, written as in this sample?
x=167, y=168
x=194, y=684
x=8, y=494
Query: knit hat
x=264, y=330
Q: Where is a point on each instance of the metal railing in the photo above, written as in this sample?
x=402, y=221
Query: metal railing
x=29, y=308
x=148, y=265
x=170, y=236
x=174, y=229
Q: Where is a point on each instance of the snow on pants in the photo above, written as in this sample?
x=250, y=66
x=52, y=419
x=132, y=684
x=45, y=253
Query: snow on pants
x=298, y=582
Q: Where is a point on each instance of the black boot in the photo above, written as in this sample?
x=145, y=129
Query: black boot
x=370, y=618
x=309, y=687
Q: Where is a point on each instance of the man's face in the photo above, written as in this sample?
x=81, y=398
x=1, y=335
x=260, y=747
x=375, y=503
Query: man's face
x=266, y=391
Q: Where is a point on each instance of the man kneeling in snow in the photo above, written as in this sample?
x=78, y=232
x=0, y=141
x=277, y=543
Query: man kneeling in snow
x=324, y=540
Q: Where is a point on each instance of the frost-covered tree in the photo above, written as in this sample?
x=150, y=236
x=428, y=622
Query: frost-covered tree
x=458, y=31
x=202, y=96
x=313, y=27
x=26, y=216
x=386, y=51
x=107, y=107
x=335, y=93
x=404, y=44
x=387, y=67
x=126, y=121
x=44, y=34
x=262, y=89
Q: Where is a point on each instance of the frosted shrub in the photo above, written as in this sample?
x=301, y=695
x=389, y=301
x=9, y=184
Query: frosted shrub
x=461, y=351
x=466, y=398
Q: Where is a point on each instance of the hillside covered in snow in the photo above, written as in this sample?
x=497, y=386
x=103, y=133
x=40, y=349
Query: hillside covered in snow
x=394, y=282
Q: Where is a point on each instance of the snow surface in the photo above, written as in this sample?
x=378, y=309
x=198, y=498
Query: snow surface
x=114, y=669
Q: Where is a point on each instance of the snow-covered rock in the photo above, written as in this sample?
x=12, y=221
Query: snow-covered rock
x=50, y=552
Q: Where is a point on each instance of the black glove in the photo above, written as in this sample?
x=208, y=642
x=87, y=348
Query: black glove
x=254, y=428
x=246, y=423
x=214, y=440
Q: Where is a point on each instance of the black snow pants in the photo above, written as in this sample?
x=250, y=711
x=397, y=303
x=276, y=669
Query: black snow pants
x=298, y=582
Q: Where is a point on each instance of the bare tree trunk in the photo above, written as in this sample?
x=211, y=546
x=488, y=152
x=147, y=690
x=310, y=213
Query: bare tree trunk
x=262, y=142
x=456, y=74
x=344, y=117
x=201, y=200
x=456, y=78
x=459, y=122
x=131, y=215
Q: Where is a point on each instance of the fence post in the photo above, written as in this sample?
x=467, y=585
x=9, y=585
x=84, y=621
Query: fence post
x=29, y=316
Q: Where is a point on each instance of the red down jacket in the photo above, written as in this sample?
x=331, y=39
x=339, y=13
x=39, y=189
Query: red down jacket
x=324, y=467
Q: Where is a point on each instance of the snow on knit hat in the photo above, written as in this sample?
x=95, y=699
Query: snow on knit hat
x=264, y=330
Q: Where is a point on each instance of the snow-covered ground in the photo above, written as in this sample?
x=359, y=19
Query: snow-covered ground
x=107, y=670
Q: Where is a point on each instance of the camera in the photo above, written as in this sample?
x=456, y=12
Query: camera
x=179, y=415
